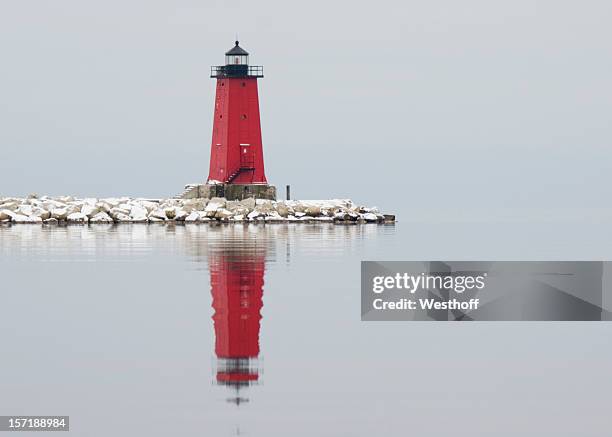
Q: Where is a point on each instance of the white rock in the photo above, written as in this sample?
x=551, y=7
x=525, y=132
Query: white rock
x=180, y=215
x=40, y=212
x=24, y=210
x=193, y=217
x=248, y=203
x=138, y=214
x=253, y=215
x=77, y=217
x=50, y=221
x=341, y=215
x=10, y=205
x=5, y=214
x=157, y=214
x=59, y=213
x=122, y=218
x=89, y=210
x=370, y=217
x=116, y=211
x=19, y=218
x=101, y=217
x=299, y=214
x=223, y=214
x=238, y=218
x=213, y=205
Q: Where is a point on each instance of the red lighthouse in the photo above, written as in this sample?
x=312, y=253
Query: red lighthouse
x=236, y=152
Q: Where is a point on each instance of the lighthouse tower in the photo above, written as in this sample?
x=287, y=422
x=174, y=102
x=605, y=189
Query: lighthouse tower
x=236, y=153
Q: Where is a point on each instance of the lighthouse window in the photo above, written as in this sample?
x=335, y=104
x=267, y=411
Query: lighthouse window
x=243, y=116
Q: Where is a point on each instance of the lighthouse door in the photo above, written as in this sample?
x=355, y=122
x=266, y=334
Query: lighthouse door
x=247, y=156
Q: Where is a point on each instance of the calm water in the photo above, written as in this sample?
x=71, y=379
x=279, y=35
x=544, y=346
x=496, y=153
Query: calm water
x=254, y=330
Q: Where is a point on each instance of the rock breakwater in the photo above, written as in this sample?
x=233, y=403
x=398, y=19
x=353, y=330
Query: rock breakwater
x=69, y=210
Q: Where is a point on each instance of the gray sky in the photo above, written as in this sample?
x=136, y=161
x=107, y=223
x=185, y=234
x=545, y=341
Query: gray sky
x=445, y=104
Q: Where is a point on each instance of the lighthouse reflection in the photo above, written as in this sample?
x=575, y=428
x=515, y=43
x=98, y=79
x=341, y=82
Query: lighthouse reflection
x=237, y=278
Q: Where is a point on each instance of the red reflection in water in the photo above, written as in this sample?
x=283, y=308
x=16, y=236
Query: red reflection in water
x=237, y=289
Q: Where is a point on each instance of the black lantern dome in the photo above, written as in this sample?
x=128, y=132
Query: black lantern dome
x=236, y=65
x=236, y=56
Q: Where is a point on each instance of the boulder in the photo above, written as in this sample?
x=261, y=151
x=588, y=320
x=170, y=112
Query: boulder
x=11, y=205
x=77, y=217
x=59, y=213
x=180, y=214
x=193, y=217
x=282, y=209
x=89, y=210
x=20, y=218
x=298, y=207
x=5, y=214
x=157, y=214
x=24, y=210
x=122, y=218
x=50, y=221
x=253, y=215
x=370, y=217
x=213, y=205
x=264, y=205
x=139, y=214
x=313, y=211
x=341, y=215
x=40, y=212
x=191, y=205
x=103, y=207
x=148, y=205
x=101, y=217
x=223, y=214
x=273, y=216
x=170, y=212
x=218, y=202
x=248, y=203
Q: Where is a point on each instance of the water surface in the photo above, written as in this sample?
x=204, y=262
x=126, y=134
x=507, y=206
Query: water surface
x=145, y=330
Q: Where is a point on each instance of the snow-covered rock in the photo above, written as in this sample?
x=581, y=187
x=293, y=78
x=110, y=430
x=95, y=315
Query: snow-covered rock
x=59, y=213
x=139, y=214
x=101, y=217
x=90, y=210
x=77, y=217
x=223, y=214
x=193, y=217
x=180, y=215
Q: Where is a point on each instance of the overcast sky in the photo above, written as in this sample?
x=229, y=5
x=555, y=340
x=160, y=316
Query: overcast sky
x=501, y=105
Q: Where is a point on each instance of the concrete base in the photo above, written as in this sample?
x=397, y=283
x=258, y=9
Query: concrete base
x=230, y=191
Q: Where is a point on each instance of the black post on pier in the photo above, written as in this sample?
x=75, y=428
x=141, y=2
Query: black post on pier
x=288, y=192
